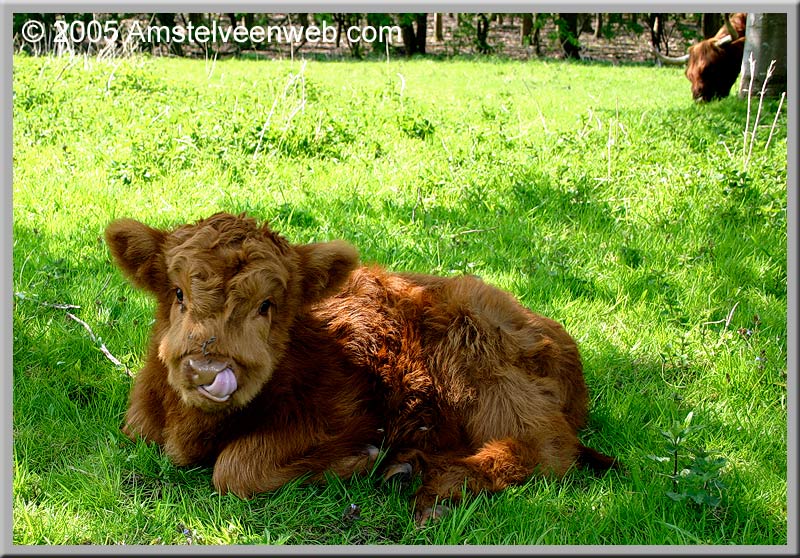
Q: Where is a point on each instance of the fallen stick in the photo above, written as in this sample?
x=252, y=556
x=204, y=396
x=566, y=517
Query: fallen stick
x=102, y=345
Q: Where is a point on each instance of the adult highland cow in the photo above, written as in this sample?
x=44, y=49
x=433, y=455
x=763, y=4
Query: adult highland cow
x=271, y=361
x=714, y=63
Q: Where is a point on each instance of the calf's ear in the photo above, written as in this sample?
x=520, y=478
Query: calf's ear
x=139, y=251
x=325, y=267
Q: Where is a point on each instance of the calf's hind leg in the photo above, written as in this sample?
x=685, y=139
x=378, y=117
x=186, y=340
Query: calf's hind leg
x=496, y=465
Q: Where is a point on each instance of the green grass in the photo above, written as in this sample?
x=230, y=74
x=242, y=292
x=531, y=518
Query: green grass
x=601, y=196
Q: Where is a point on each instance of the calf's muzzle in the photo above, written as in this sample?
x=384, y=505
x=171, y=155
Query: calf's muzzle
x=213, y=378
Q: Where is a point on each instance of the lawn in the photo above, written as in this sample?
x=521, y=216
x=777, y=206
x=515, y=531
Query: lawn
x=600, y=195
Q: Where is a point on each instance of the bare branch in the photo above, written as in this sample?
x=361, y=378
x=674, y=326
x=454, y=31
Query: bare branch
x=472, y=231
x=102, y=345
x=775, y=121
x=730, y=315
x=23, y=296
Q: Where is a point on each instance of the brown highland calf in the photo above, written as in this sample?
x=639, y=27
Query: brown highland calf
x=271, y=361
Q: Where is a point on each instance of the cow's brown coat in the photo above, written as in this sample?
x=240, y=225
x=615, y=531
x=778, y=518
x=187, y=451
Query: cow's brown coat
x=714, y=66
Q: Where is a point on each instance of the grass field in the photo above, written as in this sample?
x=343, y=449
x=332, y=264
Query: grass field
x=600, y=195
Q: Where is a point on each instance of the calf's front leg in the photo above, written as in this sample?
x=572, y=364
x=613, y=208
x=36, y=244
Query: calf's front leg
x=255, y=464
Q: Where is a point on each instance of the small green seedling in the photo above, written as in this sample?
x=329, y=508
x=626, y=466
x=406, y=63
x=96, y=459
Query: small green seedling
x=699, y=481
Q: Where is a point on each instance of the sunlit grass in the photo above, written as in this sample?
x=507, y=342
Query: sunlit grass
x=601, y=196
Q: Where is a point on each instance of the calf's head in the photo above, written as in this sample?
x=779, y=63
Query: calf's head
x=228, y=290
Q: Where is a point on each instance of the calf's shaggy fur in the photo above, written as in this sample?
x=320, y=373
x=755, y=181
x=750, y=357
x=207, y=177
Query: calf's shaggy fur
x=271, y=360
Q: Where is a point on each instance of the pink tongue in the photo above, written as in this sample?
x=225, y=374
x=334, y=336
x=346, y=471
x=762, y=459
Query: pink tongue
x=223, y=385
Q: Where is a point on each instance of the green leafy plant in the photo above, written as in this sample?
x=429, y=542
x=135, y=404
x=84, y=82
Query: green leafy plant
x=699, y=481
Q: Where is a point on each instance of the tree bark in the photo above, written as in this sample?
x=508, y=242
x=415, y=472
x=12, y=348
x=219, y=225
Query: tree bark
x=168, y=19
x=437, y=27
x=598, y=25
x=527, y=29
x=482, y=32
x=766, y=40
x=414, y=39
x=711, y=24
x=656, y=21
x=568, y=35
x=409, y=40
x=537, y=27
x=422, y=32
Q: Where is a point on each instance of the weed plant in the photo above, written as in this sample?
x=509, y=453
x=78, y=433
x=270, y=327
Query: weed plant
x=600, y=195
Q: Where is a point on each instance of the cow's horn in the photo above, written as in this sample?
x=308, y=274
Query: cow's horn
x=731, y=29
x=724, y=40
x=670, y=59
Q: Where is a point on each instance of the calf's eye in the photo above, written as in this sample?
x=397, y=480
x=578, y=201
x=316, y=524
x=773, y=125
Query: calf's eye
x=179, y=295
x=264, y=308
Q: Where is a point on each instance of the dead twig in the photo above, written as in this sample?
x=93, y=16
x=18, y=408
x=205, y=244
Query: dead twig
x=727, y=320
x=775, y=121
x=22, y=296
x=63, y=306
x=60, y=306
x=730, y=315
x=102, y=345
x=472, y=231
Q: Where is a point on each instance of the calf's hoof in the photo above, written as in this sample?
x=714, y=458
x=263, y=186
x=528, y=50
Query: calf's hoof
x=371, y=452
x=431, y=513
x=398, y=471
x=361, y=463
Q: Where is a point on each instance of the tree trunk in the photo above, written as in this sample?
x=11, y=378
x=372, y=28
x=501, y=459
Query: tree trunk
x=438, y=33
x=585, y=23
x=766, y=41
x=409, y=40
x=568, y=35
x=353, y=20
x=168, y=19
x=711, y=24
x=527, y=29
x=339, y=19
x=422, y=32
x=482, y=33
x=598, y=26
x=249, y=22
x=656, y=22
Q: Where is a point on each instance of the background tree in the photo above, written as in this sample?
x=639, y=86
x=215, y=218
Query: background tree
x=539, y=21
x=568, y=32
x=527, y=29
x=657, y=39
x=170, y=20
x=344, y=21
x=414, y=28
x=438, y=31
x=482, y=33
x=766, y=40
x=711, y=24
x=598, y=25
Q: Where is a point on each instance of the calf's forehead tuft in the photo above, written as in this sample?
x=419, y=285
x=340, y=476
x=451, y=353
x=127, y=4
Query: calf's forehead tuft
x=224, y=244
x=224, y=229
